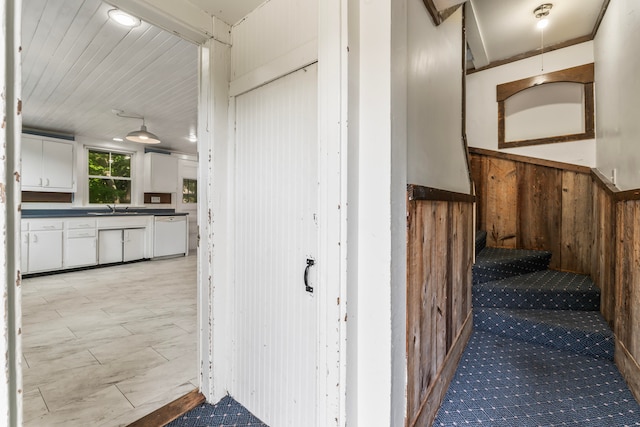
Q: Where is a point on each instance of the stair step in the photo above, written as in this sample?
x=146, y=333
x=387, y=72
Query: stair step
x=498, y=263
x=582, y=332
x=547, y=289
x=481, y=240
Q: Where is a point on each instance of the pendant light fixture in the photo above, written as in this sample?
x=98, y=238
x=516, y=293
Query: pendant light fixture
x=143, y=136
x=541, y=12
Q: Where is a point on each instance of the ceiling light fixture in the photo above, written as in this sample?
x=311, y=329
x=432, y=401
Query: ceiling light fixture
x=123, y=18
x=143, y=136
x=541, y=12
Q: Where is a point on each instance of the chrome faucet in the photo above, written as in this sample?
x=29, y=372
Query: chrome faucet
x=112, y=208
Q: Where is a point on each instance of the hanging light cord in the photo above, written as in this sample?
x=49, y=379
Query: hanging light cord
x=542, y=49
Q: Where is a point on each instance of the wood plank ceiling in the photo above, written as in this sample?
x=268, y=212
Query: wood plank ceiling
x=78, y=65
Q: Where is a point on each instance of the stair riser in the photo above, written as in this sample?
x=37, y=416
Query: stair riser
x=508, y=298
x=589, y=344
x=489, y=273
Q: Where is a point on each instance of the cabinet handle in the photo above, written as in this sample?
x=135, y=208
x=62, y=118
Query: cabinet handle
x=47, y=184
x=26, y=238
x=40, y=182
x=49, y=226
x=35, y=238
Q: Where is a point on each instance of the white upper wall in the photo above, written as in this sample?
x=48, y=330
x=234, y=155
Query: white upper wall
x=436, y=155
x=617, y=88
x=482, y=107
x=273, y=40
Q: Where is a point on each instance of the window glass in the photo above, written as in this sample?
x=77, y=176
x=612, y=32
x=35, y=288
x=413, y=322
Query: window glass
x=189, y=191
x=109, y=177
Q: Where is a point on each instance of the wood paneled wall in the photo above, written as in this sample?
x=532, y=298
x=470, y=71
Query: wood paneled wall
x=529, y=203
x=616, y=269
x=440, y=244
x=603, y=271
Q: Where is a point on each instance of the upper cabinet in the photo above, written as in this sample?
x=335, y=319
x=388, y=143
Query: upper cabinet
x=47, y=165
x=160, y=173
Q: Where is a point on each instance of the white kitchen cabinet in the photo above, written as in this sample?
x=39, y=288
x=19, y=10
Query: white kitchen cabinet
x=110, y=246
x=44, y=252
x=133, y=247
x=80, y=243
x=24, y=252
x=121, y=245
x=160, y=173
x=47, y=165
x=80, y=249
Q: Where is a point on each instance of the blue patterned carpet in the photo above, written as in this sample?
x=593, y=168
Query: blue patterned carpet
x=226, y=413
x=506, y=382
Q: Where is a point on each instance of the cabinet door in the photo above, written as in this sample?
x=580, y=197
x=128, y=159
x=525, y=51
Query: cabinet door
x=45, y=251
x=161, y=174
x=80, y=252
x=57, y=169
x=134, y=244
x=31, y=162
x=24, y=252
x=109, y=246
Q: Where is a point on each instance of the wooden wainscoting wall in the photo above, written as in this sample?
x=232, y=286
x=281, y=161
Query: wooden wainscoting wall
x=529, y=203
x=440, y=244
x=617, y=271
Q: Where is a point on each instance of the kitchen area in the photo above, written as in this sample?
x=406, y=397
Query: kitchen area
x=108, y=229
x=79, y=237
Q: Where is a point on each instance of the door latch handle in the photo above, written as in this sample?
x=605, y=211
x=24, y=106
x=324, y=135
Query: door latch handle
x=310, y=263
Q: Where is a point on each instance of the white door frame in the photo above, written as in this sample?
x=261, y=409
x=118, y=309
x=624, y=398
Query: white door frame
x=216, y=229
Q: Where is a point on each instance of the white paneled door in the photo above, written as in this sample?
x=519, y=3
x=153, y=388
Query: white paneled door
x=276, y=198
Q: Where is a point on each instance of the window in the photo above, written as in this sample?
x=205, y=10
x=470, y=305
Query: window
x=109, y=177
x=189, y=191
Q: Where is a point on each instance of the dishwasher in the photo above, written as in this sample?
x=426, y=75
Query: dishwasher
x=170, y=235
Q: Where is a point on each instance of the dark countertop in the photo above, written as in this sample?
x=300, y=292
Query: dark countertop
x=96, y=213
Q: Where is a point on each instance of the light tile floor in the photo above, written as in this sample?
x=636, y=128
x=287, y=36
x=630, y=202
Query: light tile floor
x=104, y=347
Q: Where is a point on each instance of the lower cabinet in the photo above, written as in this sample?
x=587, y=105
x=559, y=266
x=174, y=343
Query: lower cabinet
x=80, y=248
x=121, y=245
x=133, y=244
x=45, y=251
x=41, y=246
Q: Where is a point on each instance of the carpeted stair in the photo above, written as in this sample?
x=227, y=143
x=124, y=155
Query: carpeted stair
x=516, y=296
x=540, y=353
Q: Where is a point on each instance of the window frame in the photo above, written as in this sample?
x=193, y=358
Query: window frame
x=88, y=177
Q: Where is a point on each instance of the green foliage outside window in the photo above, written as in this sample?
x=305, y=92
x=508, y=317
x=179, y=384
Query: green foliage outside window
x=189, y=191
x=109, y=177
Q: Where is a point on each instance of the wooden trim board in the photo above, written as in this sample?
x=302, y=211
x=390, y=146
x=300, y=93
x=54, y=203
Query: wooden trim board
x=171, y=411
x=419, y=192
x=532, y=160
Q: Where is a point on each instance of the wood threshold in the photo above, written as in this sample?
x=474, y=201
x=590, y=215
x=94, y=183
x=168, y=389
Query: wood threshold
x=171, y=411
x=438, y=388
x=531, y=160
x=419, y=192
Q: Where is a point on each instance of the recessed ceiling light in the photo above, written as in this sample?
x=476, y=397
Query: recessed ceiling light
x=118, y=139
x=123, y=18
